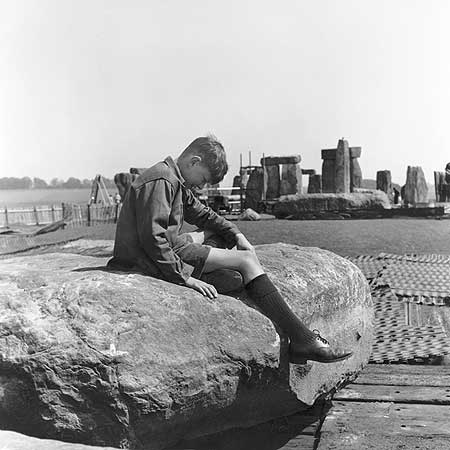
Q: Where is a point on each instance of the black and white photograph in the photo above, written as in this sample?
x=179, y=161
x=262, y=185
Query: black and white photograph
x=224, y=225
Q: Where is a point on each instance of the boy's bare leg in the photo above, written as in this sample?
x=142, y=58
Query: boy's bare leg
x=305, y=344
x=244, y=261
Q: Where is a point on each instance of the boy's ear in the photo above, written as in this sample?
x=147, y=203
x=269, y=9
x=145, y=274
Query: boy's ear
x=195, y=160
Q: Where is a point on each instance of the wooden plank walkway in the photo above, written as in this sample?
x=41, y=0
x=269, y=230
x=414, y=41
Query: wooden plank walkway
x=391, y=407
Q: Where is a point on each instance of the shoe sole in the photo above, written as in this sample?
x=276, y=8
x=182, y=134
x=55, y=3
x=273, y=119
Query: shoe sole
x=293, y=359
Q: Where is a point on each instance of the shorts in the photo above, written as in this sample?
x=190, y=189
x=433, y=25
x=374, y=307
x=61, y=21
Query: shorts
x=195, y=254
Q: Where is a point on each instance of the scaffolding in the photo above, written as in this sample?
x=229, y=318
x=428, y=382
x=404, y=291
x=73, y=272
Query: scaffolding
x=99, y=192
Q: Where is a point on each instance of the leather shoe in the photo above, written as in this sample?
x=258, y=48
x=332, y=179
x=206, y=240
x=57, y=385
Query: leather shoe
x=224, y=280
x=318, y=350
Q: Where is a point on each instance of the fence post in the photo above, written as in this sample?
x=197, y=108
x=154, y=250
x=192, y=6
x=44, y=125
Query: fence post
x=89, y=215
x=53, y=213
x=36, y=215
x=6, y=217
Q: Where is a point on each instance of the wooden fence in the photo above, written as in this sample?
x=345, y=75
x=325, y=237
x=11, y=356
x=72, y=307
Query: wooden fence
x=74, y=214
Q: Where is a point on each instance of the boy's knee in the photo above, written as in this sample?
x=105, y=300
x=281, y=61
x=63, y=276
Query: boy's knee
x=248, y=258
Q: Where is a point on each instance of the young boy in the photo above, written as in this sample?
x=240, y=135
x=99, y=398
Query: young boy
x=148, y=239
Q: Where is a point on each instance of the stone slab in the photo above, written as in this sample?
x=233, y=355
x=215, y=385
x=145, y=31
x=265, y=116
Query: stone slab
x=110, y=358
x=276, y=160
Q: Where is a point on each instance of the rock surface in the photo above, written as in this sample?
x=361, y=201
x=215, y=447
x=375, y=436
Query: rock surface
x=384, y=183
x=416, y=187
x=295, y=205
x=108, y=358
x=11, y=440
x=249, y=214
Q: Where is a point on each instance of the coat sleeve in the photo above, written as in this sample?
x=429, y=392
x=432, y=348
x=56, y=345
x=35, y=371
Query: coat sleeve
x=153, y=207
x=196, y=213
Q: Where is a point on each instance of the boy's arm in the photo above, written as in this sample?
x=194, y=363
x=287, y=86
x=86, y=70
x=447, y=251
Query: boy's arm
x=196, y=213
x=153, y=202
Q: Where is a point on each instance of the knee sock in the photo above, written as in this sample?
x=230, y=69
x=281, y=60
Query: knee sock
x=263, y=292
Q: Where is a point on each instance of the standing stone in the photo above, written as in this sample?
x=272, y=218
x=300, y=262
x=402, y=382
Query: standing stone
x=384, y=182
x=237, y=185
x=254, y=189
x=439, y=186
x=315, y=184
x=342, y=168
x=328, y=170
x=416, y=188
x=447, y=173
x=291, y=179
x=272, y=181
x=355, y=169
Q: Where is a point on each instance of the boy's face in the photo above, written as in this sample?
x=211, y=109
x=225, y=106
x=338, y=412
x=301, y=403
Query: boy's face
x=196, y=174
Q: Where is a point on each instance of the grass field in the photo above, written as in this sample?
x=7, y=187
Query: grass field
x=344, y=237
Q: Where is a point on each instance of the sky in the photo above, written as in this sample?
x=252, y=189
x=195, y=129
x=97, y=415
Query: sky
x=99, y=86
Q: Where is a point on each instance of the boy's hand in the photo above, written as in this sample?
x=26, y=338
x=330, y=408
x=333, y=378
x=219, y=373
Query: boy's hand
x=243, y=244
x=208, y=290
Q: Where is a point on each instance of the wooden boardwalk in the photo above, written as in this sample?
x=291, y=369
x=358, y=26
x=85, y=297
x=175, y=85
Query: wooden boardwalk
x=390, y=407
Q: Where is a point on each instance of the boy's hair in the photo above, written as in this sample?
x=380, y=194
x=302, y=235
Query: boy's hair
x=213, y=156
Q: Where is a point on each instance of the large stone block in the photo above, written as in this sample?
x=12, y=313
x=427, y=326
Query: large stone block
x=439, y=188
x=11, y=440
x=355, y=174
x=315, y=184
x=277, y=160
x=106, y=358
x=416, y=188
x=342, y=167
x=296, y=205
x=272, y=181
x=254, y=189
x=291, y=179
x=384, y=183
x=328, y=175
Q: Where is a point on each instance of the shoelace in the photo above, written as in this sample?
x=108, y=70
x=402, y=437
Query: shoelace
x=318, y=336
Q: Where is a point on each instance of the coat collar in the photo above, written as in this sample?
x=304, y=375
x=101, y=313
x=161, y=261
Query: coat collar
x=174, y=166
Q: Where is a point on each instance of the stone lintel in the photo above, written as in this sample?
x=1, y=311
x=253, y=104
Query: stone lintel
x=275, y=160
x=329, y=153
x=308, y=171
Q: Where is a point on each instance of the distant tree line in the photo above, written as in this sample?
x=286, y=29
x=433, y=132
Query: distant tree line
x=55, y=183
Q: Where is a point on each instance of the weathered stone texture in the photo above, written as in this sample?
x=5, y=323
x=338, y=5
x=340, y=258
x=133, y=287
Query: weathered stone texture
x=355, y=173
x=108, y=358
x=277, y=160
x=291, y=179
x=272, y=181
x=416, y=188
x=249, y=214
x=328, y=171
x=11, y=440
x=315, y=184
x=384, y=183
x=254, y=189
x=292, y=205
x=439, y=188
x=342, y=167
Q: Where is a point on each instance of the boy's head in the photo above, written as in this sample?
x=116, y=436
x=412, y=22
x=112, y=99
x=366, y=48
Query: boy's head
x=203, y=161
